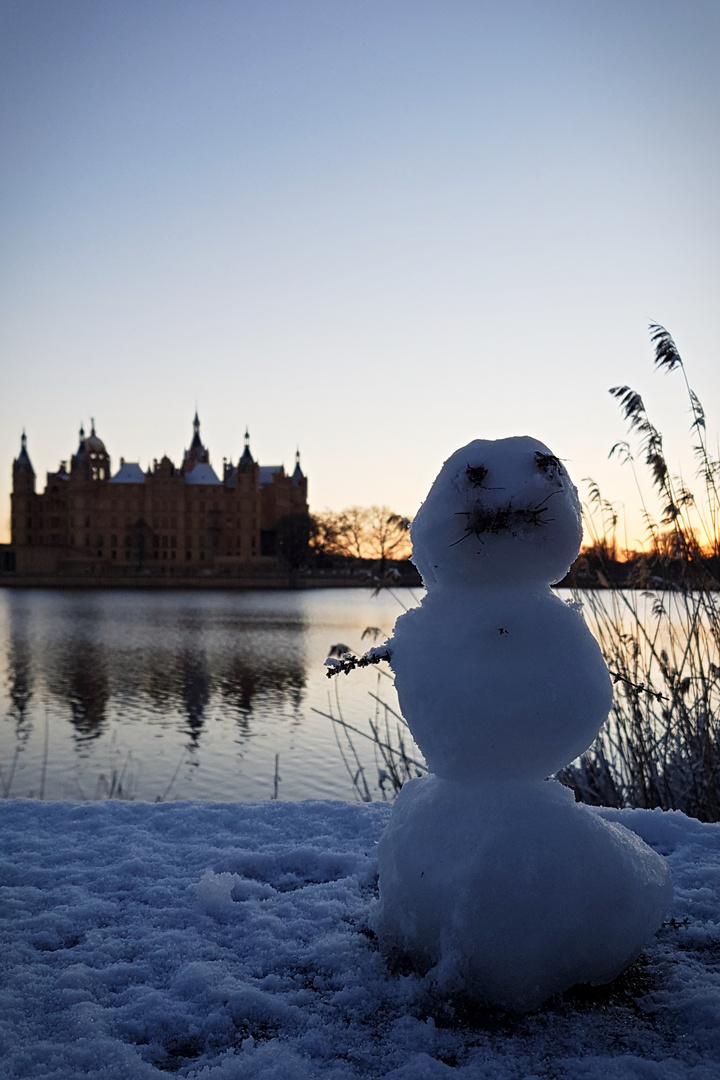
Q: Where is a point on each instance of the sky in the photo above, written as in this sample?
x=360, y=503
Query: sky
x=370, y=229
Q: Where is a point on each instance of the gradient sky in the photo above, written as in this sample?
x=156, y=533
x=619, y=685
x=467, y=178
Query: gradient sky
x=375, y=229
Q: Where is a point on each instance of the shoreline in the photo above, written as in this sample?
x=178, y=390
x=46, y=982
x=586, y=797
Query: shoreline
x=161, y=584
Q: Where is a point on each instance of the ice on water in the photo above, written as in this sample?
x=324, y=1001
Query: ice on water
x=490, y=875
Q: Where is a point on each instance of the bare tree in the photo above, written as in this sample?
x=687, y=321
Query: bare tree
x=360, y=532
x=387, y=534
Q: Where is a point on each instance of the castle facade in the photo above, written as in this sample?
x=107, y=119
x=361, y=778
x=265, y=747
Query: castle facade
x=166, y=520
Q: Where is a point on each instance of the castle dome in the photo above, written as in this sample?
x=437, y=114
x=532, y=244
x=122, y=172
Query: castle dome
x=93, y=443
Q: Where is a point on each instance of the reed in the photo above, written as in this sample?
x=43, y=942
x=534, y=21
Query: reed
x=661, y=635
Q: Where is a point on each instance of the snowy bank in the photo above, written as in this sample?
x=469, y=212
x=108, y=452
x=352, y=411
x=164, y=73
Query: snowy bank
x=224, y=941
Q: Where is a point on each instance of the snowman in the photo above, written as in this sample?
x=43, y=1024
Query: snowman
x=492, y=879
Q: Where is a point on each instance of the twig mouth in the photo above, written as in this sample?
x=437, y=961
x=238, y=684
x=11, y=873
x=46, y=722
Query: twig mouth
x=509, y=519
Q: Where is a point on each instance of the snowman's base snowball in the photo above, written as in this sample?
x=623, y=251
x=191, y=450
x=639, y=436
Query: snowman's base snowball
x=511, y=891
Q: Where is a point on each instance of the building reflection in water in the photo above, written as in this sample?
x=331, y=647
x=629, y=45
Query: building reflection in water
x=20, y=680
x=77, y=674
x=195, y=691
x=245, y=679
x=172, y=661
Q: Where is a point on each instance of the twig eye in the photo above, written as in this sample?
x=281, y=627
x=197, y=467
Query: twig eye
x=547, y=463
x=476, y=474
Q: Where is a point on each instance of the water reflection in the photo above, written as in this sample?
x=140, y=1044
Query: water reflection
x=198, y=692
x=173, y=659
x=279, y=681
x=20, y=681
x=76, y=673
x=196, y=689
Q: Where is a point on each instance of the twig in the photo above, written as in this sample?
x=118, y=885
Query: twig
x=348, y=661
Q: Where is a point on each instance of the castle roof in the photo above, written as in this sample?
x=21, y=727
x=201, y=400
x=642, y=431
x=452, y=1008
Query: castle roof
x=128, y=473
x=202, y=473
x=94, y=444
x=269, y=472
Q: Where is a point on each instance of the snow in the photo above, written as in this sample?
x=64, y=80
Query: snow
x=512, y=891
x=234, y=942
x=490, y=877
x=501, y=509
x=506, y=682
x=496, y=676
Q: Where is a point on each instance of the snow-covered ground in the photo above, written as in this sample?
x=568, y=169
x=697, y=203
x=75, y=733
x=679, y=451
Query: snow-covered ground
x=222, y=941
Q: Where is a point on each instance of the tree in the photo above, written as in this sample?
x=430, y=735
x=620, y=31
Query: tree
x=387, y=534
x=293, y=534
x=359, y=532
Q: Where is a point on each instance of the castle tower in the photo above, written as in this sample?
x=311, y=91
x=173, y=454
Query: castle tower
x=91, y=458
x=197, y=454
x=22, y=497
x=298, y=475
x=246, y=461
x=23, y=472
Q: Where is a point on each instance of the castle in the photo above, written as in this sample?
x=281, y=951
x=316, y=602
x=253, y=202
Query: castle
x=165, y=521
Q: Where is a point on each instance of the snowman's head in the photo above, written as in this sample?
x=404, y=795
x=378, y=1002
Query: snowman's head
x=500, y=512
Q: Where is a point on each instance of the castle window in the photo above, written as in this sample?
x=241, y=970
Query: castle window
x=87, y=541
x=188, y=555
x=113, y=541
x=173, y=541
x=87, y=522
x=114, y=554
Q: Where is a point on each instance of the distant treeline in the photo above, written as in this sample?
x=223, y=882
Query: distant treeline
x=598, y=568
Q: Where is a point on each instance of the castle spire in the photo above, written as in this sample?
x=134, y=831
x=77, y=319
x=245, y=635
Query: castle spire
x=197, y=454
x=247, y=459
x=298, y=474
x=22, y=461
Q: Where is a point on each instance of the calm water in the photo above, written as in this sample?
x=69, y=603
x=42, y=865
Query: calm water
x=182, y=695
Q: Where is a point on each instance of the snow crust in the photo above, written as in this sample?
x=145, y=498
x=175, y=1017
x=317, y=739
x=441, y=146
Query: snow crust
x=232, y=942
x=511, y=892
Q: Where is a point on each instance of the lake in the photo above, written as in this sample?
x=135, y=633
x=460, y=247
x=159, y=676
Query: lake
x=186, y=695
